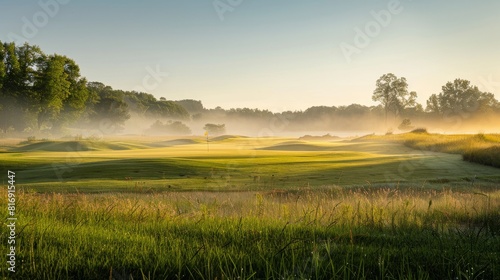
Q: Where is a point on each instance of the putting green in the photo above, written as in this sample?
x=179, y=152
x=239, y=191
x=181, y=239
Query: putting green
x=231, y=163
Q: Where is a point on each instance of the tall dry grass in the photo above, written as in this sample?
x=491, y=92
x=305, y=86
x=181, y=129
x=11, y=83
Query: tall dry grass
x=479, y=148
x=330, y=233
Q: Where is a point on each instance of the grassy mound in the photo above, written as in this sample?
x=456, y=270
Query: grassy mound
x=226, y=137
x=175, y=142
x=75, y=146
x=297, y=147
x=326, y=137
x=457, y=144
x=420, y=130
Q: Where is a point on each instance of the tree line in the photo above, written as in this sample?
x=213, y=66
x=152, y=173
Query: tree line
x=459, y=103
x=40, y=92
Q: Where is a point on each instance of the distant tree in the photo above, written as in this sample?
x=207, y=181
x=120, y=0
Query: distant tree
x=3, y=68
x=88, y=112
x=146, y=105
x=392, y=93
x=74, y=105
x=317, y=112
x=13, y=82
x=405, y=125
x=433, y=104
x=177, y=127
x=354, y=110
x=247, y=113
x=3, y=73
x=215, y=129
x=169, y=128
x=414, y=111
x=192, y=106
x=461, y=98
x=112, y=111
x=109, y=108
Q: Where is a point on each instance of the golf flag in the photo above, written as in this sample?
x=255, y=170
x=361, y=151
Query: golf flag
x=206, y=134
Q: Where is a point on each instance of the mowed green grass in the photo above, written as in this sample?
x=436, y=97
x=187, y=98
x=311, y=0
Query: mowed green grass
x=230, y=163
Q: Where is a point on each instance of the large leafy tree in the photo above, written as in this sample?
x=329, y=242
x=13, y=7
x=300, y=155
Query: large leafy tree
x=3, y=73
x=75, y=103
x=392, y=93
x=3, y=68
x=31, y=60
x=12, y=79
x=11, y=88
x=37, y=90
x=461, y=98
x=53, y=89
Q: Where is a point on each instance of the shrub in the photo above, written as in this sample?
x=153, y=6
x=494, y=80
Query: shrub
x=215, y=129
x=405, y=125
x=169, y=128
x=419, y=130
x=480, y=137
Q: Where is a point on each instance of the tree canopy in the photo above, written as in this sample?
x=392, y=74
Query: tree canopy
x=215, y=129
x=460, y=97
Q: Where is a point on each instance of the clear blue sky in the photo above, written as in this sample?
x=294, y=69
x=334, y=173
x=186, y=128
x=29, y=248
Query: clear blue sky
x=278, y=55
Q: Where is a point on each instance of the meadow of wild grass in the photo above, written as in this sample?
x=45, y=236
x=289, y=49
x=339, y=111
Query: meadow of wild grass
x=320, y=233
x=271, y=208
x=479, y=148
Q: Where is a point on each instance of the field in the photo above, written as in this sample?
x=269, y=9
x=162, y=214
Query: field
x=251, y=208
